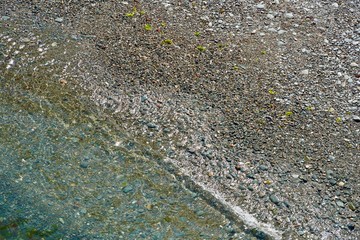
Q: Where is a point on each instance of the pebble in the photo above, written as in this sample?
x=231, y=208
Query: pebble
x=152, y=125
x=356, y=118
x=341, y=184
x=84, y=164
x=289, y=15
x=263, y=167
x=354, y=64
x=127, y=189
x=351, y=206
x=61, y=220
x=5, y=18
x=270, y=16
x=59, y=19
x=332, y=182
x=351, y=226
x=340, y=203
x=144, y=98
x=304, y=72
x=260, y=6
x=274, y=199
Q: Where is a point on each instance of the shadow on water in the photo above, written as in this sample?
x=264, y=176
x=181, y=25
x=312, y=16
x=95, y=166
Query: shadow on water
x=68, y=170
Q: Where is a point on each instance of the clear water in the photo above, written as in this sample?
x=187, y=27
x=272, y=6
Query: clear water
x=68, y=171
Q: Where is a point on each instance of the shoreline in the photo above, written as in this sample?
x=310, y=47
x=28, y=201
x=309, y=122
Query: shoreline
x=260, y=113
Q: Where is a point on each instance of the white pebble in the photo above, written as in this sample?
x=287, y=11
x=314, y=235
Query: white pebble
x=341, y=184
x=354, y=64
x=260, y=6
x=304, y=72
x=289, y=15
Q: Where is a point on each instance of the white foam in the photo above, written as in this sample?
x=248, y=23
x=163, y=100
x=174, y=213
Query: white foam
x=244, y=216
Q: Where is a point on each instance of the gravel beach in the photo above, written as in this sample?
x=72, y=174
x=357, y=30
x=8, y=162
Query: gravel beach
x=257, y=101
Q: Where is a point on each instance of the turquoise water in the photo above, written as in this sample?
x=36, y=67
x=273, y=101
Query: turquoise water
x=69, y=171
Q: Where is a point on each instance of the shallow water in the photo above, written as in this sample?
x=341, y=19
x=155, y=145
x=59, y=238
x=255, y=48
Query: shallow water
x=69, y=171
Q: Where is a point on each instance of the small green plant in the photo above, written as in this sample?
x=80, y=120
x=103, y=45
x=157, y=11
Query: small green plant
x=201, y=48
x=197, y=34
x=289, y=114
x=148, y=27
x=163, y=24
x=142, y=12
x=338, y=120
x=263, y=52
x=131, y=14
x=167, y=42
x=236, y=68
x=221, y=45
x=272, y=92
x=310, y=108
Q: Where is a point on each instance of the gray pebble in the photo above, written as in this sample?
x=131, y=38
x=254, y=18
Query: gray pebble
x=152, y=125
x=263, y=167
x=260, y=6
x=59, y=19
x=5, y=18
x=84, y=164
x=127, y=189
x=356, y=118
x=274, y=199
x=340, y=204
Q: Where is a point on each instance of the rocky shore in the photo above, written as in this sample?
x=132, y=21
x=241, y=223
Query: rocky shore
x=258, y=101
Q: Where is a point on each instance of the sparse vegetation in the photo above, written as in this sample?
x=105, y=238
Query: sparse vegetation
x=167, y=42
x=148, y=27
x=201, y=48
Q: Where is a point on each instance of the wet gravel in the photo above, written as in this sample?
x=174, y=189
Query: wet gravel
x=256, y=100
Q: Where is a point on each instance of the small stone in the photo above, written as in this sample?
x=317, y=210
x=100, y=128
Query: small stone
x=341, y=184
x=249, y=175
x=210, y=174
x=289, y=15
x=84, y=164
x=304, y=72
x=25, y=40
x=270, y=16
x=340, y=203
x=354, y=64
x=59, y=19
x=274, y=199
x=63, y=82
x=351, y=226
x=332, y=182
x=61, y=220
x=127, y=189
x=356, y=118
x=351, y=206
x=152, y=125
x=335, y=5
x=281, y=32
x=250, y=188
x=144, y=98
x=260, y=6
x=5, y=18
x=263, y=167
x=200, y=213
